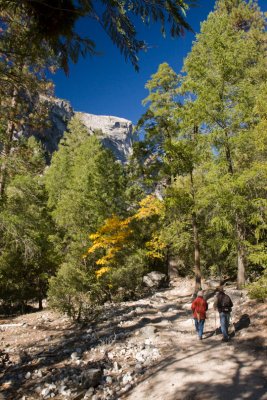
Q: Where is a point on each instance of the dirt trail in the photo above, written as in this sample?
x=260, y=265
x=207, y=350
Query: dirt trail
x=209, y=369
x=146, y=350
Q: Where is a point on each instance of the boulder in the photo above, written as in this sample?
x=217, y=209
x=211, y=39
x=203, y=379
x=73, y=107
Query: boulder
x=155, y=280
x=211, y=284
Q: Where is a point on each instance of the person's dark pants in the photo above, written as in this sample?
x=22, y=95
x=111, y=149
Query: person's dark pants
x=224, y=320
x=199, y=327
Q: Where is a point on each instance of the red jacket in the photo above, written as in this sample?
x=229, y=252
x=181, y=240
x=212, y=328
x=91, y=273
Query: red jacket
x=199, y=308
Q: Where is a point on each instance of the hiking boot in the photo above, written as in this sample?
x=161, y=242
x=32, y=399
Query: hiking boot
x=200, y=338
x=225, y=339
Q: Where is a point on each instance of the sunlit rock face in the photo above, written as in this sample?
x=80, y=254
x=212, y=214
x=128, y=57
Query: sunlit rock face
x=60, y=113
x=115, y=133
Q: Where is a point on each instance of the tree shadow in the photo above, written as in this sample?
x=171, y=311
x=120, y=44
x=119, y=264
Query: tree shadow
x=242, y=323
x=54, y=358
x=240, y=385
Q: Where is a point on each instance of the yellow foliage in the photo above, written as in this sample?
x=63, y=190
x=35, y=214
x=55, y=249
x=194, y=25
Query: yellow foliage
x=115, y=233
x=149, y=207
x=155, y=247
x=101, y=272
x=112, y=237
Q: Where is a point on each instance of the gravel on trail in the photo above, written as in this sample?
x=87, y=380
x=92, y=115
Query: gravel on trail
x=138, y=350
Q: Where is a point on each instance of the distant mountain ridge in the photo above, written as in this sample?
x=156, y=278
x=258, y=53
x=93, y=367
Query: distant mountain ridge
x=117, y=133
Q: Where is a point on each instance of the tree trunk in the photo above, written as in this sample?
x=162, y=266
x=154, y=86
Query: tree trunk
x=7, y=146
x=197, y=267
x=241, y=255
x=40, y=303
x=196, y=254
x=240, y=232
x=4, y=155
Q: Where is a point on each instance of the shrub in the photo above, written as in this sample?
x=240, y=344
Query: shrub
x=126, y=280
x=70, y=292
x=258, y=289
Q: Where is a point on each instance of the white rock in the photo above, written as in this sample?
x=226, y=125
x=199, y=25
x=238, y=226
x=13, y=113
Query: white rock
x=61, y=389
x=116, y=366
x=45, y=392
x=148, y=342
x=74, y=356
x=127, y=378
x=116, y=132
x=39, y=373
x=52, y=386
x=109, y=380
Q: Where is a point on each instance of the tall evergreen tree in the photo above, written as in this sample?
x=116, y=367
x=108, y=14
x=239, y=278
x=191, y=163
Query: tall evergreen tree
x=27, y=251
x=174, y=148
x=224, y=70
x=85, y=186
x=22, y=84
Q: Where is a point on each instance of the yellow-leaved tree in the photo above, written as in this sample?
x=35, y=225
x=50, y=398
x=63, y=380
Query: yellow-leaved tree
x=117, y=237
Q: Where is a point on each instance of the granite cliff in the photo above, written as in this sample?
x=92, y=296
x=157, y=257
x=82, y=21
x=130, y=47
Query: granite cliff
x=115, y=133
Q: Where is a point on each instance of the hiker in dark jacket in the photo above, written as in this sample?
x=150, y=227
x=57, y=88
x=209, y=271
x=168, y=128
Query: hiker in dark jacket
x=199, y=308
x=224, y=305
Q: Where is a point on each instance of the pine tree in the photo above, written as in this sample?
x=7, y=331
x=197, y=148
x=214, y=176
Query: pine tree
x=85, y=186
x=23, y=82
x=27, y=256
x=224, y=72
x=174, y=148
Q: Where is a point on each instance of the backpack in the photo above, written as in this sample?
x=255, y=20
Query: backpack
x=225, y=303
x=200, y=308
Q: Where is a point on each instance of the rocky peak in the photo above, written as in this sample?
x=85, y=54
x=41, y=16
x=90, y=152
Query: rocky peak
x=115, y=133
x=60, y=113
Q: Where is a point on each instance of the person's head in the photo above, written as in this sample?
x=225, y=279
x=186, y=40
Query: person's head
x=220, y=289
x=200, y=293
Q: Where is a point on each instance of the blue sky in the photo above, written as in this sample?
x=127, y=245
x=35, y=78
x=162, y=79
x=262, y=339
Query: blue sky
x=107, y=85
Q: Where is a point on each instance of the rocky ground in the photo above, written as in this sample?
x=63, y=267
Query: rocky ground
x=139, y=350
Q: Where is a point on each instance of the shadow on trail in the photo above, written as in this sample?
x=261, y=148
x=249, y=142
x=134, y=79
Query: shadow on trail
x=54, y=359
x=243, y=385
x=250, y=386
x=242, y=323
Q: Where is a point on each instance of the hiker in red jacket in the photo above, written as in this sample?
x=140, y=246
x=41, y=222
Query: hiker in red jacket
x=199, y=308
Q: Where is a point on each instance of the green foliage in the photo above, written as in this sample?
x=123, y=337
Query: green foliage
x=84, y=183
x=54, y=22
x=85, y=186
x=258, y=290
x=194, y=190
x=226, y=73
x=126, y=280
x=27, y=252
x=70, y=291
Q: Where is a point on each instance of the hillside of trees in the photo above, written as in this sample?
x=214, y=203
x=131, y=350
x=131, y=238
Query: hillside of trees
x=86, y=229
